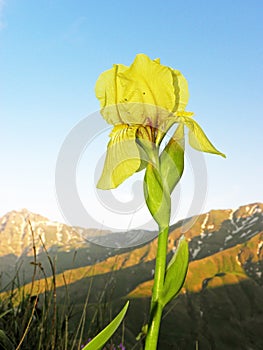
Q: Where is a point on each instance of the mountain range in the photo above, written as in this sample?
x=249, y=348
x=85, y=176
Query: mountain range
x=221, y=303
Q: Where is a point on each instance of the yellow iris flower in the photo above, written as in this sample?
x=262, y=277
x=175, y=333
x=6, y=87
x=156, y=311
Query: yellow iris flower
x=142, y=101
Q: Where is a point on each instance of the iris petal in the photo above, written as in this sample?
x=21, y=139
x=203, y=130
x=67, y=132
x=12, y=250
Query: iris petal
x=180, y=90
x=108, y=91
x=123, y=157
x=148, y=84
x=197, y=138
x=144, y=93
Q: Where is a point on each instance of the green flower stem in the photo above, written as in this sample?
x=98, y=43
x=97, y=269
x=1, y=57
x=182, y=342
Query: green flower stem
x=156, y=306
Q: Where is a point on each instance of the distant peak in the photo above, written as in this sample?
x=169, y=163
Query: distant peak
x=25, y=214
x=249, y=209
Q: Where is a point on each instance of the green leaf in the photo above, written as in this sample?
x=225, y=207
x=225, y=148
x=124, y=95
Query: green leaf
x=175, y=272
x=157, y=197
x=172, y=159
x=197, y=137
x=5, y=342
x=100, y=339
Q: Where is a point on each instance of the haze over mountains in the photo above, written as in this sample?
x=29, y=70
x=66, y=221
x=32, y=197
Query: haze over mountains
x=223, y=289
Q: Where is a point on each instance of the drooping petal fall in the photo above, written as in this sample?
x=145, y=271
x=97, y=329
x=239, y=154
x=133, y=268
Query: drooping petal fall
x=196, y=136
x=122, y=158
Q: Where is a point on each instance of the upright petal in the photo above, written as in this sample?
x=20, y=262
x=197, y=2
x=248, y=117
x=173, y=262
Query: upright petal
x=147, y=83
x=180, y=90
x=108, y=91
x=122, y=159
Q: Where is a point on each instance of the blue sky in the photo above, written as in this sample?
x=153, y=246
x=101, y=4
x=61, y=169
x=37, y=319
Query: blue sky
x=51, y=53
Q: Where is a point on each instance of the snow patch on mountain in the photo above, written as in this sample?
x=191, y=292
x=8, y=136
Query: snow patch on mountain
x=203, y=226
x=231, y=215
x=260, y=247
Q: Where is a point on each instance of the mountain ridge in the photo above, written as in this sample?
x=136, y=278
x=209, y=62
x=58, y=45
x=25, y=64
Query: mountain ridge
x=207, y=237
x=15, y=228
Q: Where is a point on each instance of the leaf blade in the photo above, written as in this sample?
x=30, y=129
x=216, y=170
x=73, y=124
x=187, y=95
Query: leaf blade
x=101, y=338
x=176, y=272
x=172, y=159
x=157, y=197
